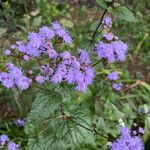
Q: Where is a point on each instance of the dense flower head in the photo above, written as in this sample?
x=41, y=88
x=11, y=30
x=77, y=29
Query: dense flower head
x=127, y=142
x=113, y=76
x=107, y=22
x=40, y=42
x=3, y=139
x=12, y=146
x=7, y=52
x=113, y=51
x=14, y=76
x=71, y=69
x=117, y=86
x=61, y=32
x=21, y=122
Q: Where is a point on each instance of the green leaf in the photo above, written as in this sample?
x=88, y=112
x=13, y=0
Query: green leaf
x=124, y=13
x=102, y=3
x=146, y=85
x=47, y=142
x=42, y=108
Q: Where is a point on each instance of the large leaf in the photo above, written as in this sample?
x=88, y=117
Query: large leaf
x=102, y=3
x=42, y=108
x=124, y=13
x=48, y=128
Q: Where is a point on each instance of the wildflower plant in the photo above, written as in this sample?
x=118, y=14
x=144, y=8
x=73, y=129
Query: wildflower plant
x=58, y=75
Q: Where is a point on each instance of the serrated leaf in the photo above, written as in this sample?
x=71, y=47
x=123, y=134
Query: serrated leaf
x=102, y=3
x=123, y=12
x=45, y=142
x=42, y=108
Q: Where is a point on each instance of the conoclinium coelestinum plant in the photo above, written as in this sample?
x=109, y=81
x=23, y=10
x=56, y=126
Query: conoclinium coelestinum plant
x=53, y=122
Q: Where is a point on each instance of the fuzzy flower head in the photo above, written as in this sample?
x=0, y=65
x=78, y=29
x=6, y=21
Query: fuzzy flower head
x=117, y=86
x=127, y=142
x=7, y=52
x=3, y=139
x=113, y=51
x=14, y=76
x=107, y=22
x=113, y=76
x=21, y=122
x=12, y=146
x=61, y=32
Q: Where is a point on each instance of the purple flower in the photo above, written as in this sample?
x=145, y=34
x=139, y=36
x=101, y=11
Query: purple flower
x=107, y=21
x=12, y=146
x=71, y=75
x=3, y=139
x=34, y=44
x=56, y=78
x=6, y=80
x=20, y=122
x=117, y=86
x=52, y=53
x=108, y=36
x=26, y=57
x=81, y=87
x=40, y=79
x=84, y=57
x=141, y=130
x=89, y=75
x=114, y=51
x=22, y=48
x=46, y=70
x=30, y=71
x=13, y=47
x=23, y=82
x=46, y=32
x=61, y=32
x=14, y=76
x=7, y=52
x=120, y=48
x=134, y=132
x=56, y=25
x=113, y=76
x=127, y=142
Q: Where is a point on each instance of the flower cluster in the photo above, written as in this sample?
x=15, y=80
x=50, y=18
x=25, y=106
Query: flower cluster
x=4, y=141
x=14, y=76
x=60, y=67
x=38, y=43
x=127, y=142
x=113, y=76
x=117, y=86
x=70, y=69
x=111, y=48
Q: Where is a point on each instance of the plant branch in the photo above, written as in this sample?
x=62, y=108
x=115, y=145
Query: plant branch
x=100, y=22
